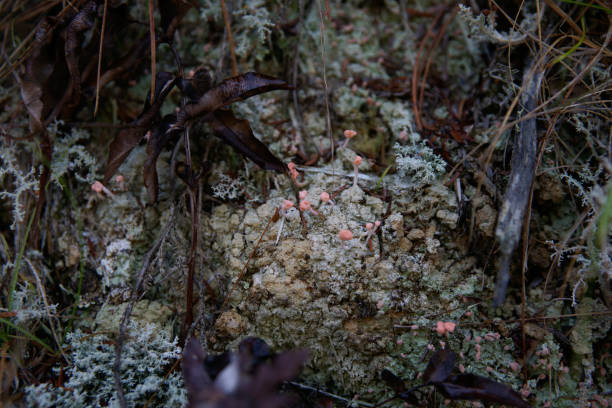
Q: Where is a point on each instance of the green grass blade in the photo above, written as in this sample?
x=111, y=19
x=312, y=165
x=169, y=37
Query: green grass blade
x=595, y=6
x=574, y=48
x=605, y=218
x=18, y=263
x=27, y=334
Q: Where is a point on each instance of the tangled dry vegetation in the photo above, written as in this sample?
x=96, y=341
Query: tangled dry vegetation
x=305, y=203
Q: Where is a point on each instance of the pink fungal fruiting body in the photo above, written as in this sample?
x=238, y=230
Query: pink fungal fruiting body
x=100, y=188
x=305, y=206
x=325, y=198
x=371, y=229
x=445, y=327
x=348, y=134
x=356, y=162
x=121, y=181
x=294, y=174
x=345, y=235
x=284, y=208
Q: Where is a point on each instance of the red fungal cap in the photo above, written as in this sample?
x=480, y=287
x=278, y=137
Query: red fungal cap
x=357, y=160
x=324, y=196
x=345, y=235
x=287, y=204
x=369, y=226
x=303, y=194
x=304, y=205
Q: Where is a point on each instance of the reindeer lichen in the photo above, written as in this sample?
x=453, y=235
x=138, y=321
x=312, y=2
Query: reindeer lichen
x=147, y=358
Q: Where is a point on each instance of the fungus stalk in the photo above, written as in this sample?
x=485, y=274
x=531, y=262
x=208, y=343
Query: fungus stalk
x=356, y=162
x=325, y=198
x=284, y=208
x=294, y=174
x=371, y=230
x=306, y=207
x=345, y=235
x=99, y=188
x=348, y=134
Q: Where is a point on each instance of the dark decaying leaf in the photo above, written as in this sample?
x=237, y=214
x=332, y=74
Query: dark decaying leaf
x=82, y=21
x=194, y=373
x=255, y=389
x=474, y=387
x=172, y=12
x=440, y=366
x=193, y=88
x=238, y=134
x=393, y=381
x=44, y=68
x=253, y=352
x=215, y=364
x=130, y=136
x=157, y=140
x=182, y=172
x=229, y=91
x=399, y=387
x=261, y=390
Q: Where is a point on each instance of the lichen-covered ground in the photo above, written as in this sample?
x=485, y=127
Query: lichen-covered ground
x=434, y=171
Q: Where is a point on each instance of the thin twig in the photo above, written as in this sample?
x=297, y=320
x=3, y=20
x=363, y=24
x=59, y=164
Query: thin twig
x=432, y=52
x=230, y=40
x=128, y=310
x=416, y=69
x=191, y=264
x=349, y=402
x=153, y=48
x=514, y=207
x=43, y=294
x=524, y=258
x=273, y=218
x=100, y=58
x=300, y=129
x=327, y=112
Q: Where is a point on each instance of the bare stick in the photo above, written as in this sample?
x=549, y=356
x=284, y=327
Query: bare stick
x=349, y=402
x=100, y=59
x=273, y=218
x=153, y=48
x=514, y=206
x=300, y=129
x=191, y=265
x=327, y=114
x=128, y=310
x=43, y=294
x=230, y=40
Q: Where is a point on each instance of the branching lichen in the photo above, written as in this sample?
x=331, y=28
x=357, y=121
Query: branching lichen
x=16, y=181
x=146, y=361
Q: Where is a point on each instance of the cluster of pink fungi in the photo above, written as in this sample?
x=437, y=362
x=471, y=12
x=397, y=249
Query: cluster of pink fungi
x=445, y=327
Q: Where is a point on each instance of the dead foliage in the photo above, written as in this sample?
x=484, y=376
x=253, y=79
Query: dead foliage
x=455, y=387
x=248, y=378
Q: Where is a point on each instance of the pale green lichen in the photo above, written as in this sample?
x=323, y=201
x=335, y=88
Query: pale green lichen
x=482, y=27
x=146, y=359
x=418, y=163
x=16, y=180
x=345, y=305
x=346, y=296
x=70, y=155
